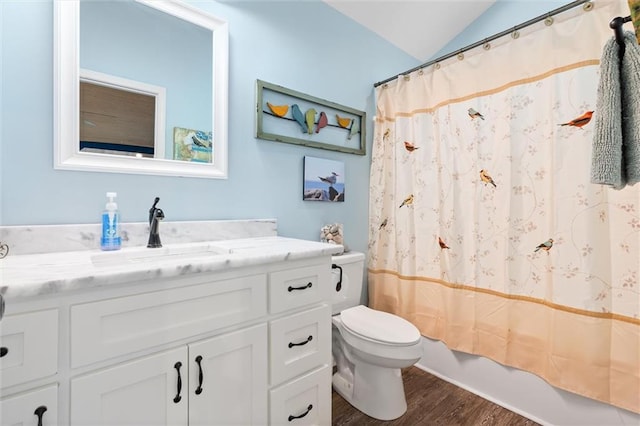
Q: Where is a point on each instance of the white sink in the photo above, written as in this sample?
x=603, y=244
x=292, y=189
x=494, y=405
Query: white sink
x=136, y=255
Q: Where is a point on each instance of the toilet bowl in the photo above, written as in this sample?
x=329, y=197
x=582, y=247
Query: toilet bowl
x=369, y=347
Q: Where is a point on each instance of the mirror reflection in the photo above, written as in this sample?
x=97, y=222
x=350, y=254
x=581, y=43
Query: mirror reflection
x=141, y=88
x=132, y=42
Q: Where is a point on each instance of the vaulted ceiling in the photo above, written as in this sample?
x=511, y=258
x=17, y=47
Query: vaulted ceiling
x=419, y=27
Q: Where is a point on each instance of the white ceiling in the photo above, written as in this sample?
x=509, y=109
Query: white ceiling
x=419, y=27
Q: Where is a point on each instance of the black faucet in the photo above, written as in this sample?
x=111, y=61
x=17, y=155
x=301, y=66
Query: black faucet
x=155, y=215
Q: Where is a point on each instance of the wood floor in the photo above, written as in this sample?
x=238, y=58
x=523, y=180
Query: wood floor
x=433, y=401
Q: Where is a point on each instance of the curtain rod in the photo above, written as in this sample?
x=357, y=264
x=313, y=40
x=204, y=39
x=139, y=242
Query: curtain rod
x=493, y=37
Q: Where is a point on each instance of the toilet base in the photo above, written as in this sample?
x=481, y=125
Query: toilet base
x=376, y=391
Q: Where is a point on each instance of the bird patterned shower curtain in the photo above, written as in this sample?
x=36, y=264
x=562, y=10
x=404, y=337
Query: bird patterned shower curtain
x=485, y=231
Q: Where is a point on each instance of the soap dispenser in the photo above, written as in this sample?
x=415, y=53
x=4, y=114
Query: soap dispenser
x=110, y=239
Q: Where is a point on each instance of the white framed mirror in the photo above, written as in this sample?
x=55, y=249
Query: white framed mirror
x=184, y=89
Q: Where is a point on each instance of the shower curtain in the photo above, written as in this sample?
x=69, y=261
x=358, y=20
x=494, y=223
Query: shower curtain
x=485, y=231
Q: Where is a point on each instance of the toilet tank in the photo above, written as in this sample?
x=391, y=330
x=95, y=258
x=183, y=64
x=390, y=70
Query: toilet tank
x=347, y=293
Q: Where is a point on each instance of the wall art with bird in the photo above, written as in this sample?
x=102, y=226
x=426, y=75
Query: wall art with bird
x=307, y=119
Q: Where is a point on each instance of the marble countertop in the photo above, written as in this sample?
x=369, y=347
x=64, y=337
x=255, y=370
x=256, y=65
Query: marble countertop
x=49, y=273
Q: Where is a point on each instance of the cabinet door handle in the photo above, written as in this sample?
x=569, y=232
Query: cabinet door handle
x=304, y=287
x=3, y=351
x=40, y=412
x=301, y=415
x=178, y=397
x=310, y=338
x=339, y=284
x=200, y=375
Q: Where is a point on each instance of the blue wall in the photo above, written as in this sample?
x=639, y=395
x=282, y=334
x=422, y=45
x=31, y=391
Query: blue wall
x=305, y=46
x=501, y=16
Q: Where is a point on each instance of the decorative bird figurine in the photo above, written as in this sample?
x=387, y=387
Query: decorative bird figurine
x=484, y=176
x=343, y=122
x=579, y=121
x=407, y=201
x=474, y=114
x=546, y=246
x=355, y=128
x=310, y=117
x=331, y=179
x=322, y=121
x=278, y=110
x=442, y=244
x=383, y=224
x=297, y=115
x=410, y=147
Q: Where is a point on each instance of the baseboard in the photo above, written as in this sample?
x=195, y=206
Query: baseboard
x=483, y=395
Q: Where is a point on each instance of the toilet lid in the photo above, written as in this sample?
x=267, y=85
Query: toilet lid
x=380, y=326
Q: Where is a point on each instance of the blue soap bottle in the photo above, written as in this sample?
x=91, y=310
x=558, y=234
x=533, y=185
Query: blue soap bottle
x=110, y=239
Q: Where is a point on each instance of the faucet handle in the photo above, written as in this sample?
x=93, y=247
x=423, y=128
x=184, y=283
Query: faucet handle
x=153, y=209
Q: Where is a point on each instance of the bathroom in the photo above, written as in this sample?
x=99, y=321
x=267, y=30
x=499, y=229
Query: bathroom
x=306, y=46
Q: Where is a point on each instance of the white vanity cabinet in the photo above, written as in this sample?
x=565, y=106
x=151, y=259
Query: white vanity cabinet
x=217, y=381
x=245, y=344
x=165, y=388
x=300, y=346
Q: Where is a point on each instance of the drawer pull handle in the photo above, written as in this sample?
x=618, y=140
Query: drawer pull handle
x=3, y=351
x=40, y=412
x=200, y=375
x=178, y=397
x=2, y=304
x=309, y=408
x=290, y=289
x=310, y=338
x=339, y=284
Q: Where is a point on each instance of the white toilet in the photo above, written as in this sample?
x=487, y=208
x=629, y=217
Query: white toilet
x=369, y=347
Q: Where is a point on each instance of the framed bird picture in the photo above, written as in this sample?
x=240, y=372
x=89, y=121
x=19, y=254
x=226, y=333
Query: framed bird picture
x=192, y=145
x=323, y=180
x=284, y=115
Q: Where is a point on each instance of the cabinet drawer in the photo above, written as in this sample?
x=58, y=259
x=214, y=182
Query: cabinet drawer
x=109, y=328
x=20, y=410
x=300, y=343
x=292, y=288
x=30, y=346
x=305, y=401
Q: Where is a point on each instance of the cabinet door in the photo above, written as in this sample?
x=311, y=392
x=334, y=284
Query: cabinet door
x=234, y=379
x=26, y=408
x=147, y=391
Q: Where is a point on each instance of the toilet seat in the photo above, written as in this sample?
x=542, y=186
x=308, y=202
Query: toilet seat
x=379, y=327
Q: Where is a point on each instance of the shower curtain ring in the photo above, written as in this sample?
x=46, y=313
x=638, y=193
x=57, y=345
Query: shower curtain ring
x=548, y=21
x=515, y=34
x=460, y=55
x=587, y=6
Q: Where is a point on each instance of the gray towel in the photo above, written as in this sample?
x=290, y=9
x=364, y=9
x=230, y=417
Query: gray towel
x=615, y=159
x=631, y=108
